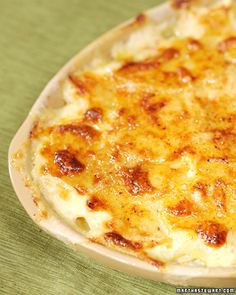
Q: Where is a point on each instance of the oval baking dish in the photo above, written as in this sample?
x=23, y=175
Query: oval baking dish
x=50, y=97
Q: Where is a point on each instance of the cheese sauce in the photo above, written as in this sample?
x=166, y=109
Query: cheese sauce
x=142, y=156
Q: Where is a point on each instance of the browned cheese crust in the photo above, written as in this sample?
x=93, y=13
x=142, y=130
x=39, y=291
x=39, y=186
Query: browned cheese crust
x=175, y=107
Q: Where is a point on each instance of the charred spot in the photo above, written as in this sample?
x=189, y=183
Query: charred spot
x=131, y=67
x=67, y=162
x=118, y=240
x=122, y=111
x=94, y=203
x=80, y=189
x=79, y=84
x=194, y=45
x=226, y=44
x=151, y=108
x=136, y=179
x=224, y=159
x=184, y=75
x=181, y=4
x=93, y=115
x=212, y=233
x=188, y=149
x=156, y=263
x=97, y=178
x=168, y=54
x=221, y=137
x=34, y=130
x=141, y=18
x=85, y=131
x=231, y=118
x=183, y=208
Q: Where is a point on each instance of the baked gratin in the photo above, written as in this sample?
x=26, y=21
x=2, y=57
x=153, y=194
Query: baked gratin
x=141, y=156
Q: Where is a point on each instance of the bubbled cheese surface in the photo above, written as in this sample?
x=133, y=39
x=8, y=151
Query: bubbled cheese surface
x=142, y=156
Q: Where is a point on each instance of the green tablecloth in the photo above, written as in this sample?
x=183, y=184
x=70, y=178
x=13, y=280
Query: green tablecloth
x=37, y=37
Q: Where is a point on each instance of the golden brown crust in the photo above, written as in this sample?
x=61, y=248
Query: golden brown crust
x=194, y=45
x=93, y=115
x=183, y=208
x=156, y=142
x=151, y=108
x=67, y=162
x=213, y=234
x=94, y=203
x=224, y=45
x=136, y=180
x=84, y=131
x=118, y=240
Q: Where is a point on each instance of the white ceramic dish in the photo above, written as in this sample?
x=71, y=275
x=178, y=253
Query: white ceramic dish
x=174, y=274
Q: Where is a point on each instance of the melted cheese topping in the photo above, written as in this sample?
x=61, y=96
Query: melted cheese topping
x=142, y=156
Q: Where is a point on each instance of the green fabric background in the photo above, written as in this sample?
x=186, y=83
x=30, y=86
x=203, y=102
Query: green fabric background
x=37, y=38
